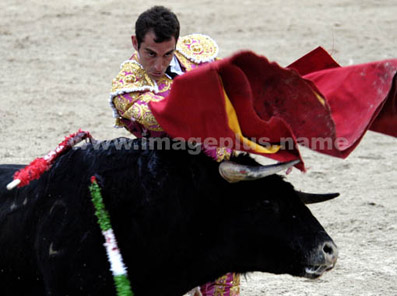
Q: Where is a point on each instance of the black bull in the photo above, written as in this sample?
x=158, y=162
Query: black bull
x=177, y=222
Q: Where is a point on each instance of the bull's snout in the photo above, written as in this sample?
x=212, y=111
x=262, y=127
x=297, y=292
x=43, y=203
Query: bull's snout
x=322, y=259
x=330, y=252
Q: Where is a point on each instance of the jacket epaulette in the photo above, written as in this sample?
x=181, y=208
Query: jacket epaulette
x=198, y=48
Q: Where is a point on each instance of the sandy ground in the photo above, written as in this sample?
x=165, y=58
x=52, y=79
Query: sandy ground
x=58, y=59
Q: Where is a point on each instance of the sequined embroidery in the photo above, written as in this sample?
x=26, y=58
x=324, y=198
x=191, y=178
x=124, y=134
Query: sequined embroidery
x=141, y=112
x=123, y=102
x=133, y=77
x=187, y=64
x=164, y=84
x=227, y=285
x=198, y=48
x=223, y=153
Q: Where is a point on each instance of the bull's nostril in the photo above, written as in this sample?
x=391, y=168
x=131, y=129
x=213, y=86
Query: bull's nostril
x=328, y=249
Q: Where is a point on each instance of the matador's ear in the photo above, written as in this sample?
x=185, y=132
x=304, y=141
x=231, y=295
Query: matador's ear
x=135, y=43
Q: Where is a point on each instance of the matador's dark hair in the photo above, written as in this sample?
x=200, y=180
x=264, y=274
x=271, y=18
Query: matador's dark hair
x=162, y=21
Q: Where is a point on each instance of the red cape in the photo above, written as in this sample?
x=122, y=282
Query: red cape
x=313, y=102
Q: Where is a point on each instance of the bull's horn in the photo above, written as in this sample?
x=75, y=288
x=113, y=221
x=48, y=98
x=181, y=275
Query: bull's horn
x=234, y=172
x=310, y=198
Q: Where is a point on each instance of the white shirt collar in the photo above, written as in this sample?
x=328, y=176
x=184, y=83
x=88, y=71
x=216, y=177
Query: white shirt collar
x=175, y=66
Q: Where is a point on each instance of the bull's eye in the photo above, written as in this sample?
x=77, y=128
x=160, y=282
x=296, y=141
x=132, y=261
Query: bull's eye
x=260, y=204
x=265, y=204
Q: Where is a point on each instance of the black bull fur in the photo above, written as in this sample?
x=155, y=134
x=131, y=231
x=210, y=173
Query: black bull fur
x=177, y=222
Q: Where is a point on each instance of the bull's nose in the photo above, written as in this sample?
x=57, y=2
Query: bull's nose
x=322, y=259
x=330, y=252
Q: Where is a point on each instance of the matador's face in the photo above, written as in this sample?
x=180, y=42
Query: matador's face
x=155, y=57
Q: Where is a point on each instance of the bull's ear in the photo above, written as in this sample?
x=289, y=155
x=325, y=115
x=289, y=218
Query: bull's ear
x=310, y=198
